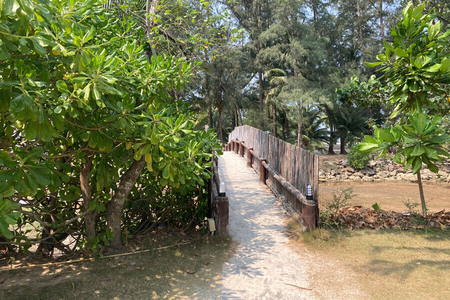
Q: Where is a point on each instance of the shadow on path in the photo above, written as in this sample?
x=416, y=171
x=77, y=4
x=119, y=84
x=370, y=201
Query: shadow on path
x=263, y=266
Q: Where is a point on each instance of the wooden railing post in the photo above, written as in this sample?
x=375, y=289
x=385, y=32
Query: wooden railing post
x=249, y=157
x=241, y=148
x=262, y=171
x=236, y=147
x=309, y=213
x=222, y=210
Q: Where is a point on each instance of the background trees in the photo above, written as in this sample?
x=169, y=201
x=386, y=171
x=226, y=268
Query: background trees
x=319, y=46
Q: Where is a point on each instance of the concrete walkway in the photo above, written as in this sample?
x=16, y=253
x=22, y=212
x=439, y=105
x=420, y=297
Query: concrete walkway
x=263, y=265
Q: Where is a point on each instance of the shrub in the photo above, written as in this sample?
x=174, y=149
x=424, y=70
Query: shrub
x=356, y=159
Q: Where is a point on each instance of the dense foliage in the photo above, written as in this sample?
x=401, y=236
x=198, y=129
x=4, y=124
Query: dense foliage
x=85, y=114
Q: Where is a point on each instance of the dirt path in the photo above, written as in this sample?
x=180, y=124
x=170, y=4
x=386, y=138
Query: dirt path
x=263, y=266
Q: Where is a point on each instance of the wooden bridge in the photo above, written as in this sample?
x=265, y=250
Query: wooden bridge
x=258, y=170
x=290, y=172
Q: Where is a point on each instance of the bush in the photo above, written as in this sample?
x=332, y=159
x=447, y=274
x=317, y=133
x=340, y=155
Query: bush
x=356, y=159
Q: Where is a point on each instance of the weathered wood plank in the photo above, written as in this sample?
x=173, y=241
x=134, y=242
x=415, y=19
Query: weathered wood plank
x=293, y=168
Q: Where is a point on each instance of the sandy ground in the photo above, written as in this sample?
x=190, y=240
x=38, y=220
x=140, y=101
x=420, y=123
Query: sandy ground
x=266, y=264
x=390, y=195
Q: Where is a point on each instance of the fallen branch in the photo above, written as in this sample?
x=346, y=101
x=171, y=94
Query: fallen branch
x=299, y=287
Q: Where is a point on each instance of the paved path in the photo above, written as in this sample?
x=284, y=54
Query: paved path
x=263, y=265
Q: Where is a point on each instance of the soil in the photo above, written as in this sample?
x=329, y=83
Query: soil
x=391, y=195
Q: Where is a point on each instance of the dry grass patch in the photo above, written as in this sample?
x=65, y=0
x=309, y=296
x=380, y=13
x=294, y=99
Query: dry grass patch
x=192, y=270
x=389, y=264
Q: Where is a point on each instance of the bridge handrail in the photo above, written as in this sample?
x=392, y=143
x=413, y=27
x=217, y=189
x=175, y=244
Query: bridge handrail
x=289, y=169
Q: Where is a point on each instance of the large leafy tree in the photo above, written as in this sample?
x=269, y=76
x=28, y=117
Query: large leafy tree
x=84, y=114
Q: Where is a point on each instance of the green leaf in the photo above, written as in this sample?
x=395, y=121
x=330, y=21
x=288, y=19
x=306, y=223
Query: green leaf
x=419, y=121
x=376, y=206
x=418, y=150
x=38, y=48
x=154, y=139
x=4, y=230
x=4, y=54
x=366, y=147
x=433, y=168
x=416, y=165
x=41, y=175
x=434, y=68
x=386, y=135
x=374, y=64
x=166, y=172
x=62, y=86
x=400, y=52
x=434, y=30
x=370, y=139
x=7, y=7
x=38, y=17
x=4, y=157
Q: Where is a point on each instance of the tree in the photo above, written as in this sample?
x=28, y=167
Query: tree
x=84, y=114
x=417, y=64
x=255, y=17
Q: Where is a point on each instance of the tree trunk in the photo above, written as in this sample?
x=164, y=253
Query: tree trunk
x=261, y=96
x=115, y=207
x=211, y=121
x=360, y=29
x=422, y=196
x=149, y=10
x=274, y=119
x=286, y=125
x=331, y=124
x=299, y=126
x=220, y=124
x=89, y=217
x=380, y=12
x=233, y=119
x=316, y=19
x=299, y=134
x=240, y=123
x=343, y=141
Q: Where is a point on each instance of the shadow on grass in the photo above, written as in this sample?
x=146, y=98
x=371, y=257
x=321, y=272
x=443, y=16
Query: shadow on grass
x=191, y=271
x=404, y=270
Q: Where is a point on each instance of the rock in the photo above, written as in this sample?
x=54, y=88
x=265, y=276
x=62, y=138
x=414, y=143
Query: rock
x=410, y=177
x=367, y=179
x=383, y=174
x=358, y=174
x=391, y=179
x=393, y=173
x=368, y=171
x=350, y=169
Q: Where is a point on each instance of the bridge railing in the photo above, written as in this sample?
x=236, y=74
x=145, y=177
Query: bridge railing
x=218, y=201
x=285, y=168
